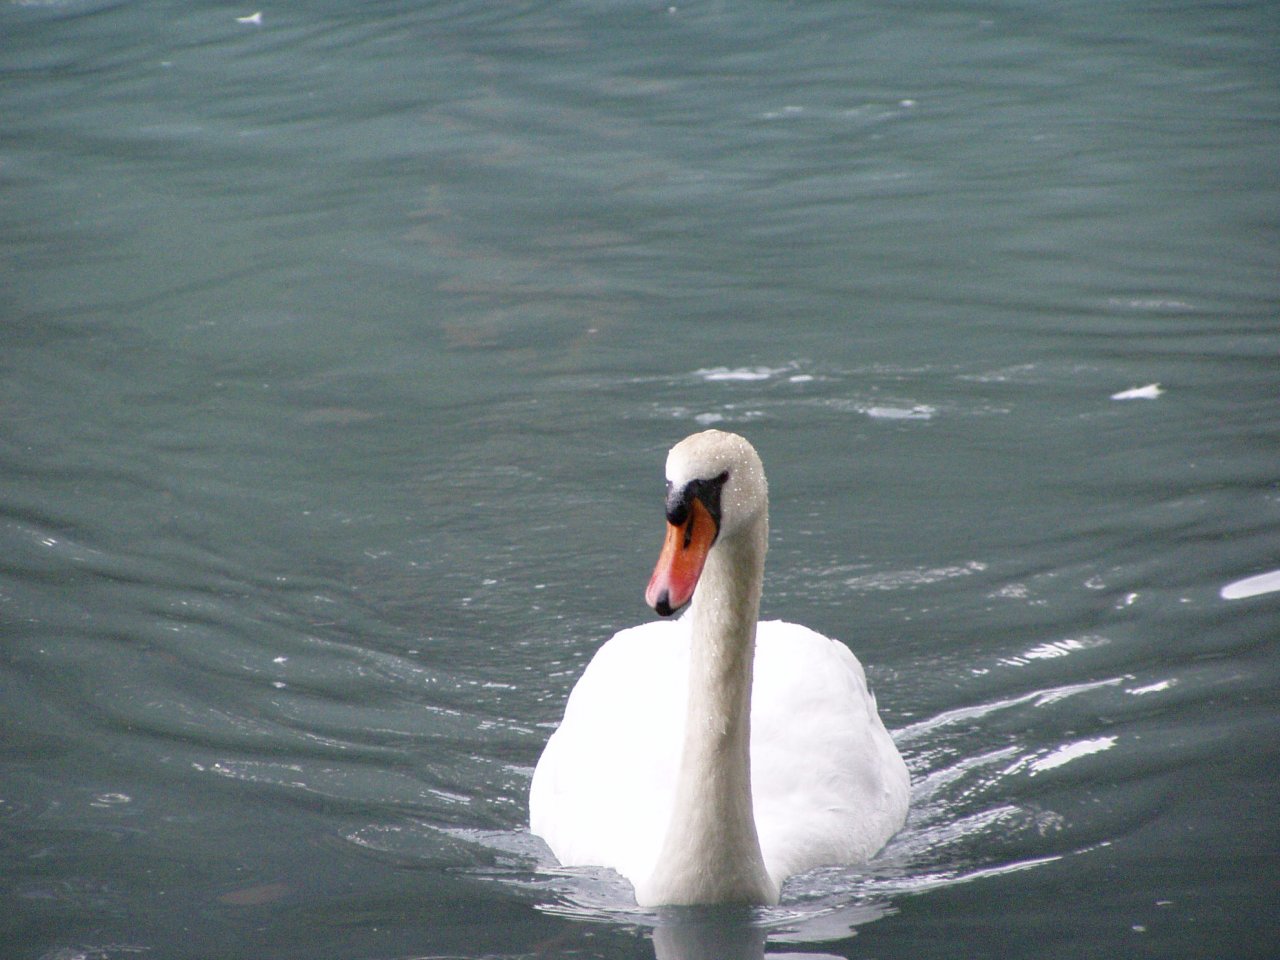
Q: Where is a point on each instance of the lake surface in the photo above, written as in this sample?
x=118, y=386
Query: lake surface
x=340, y=349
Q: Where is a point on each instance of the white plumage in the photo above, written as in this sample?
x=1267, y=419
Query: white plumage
x=648, y=772
x=827, y=782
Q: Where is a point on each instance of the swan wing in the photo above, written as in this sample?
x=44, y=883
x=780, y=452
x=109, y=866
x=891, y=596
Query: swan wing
x=828, y=785
x=603, y=789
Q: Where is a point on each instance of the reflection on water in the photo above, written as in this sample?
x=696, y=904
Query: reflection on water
x=1254, y=586
x=707, y=933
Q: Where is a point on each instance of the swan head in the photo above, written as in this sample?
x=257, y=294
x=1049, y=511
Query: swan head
x=716, y=490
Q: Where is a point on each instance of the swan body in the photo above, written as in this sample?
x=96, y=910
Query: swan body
x=708, y=758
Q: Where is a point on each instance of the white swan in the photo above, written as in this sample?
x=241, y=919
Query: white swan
x=677, y=769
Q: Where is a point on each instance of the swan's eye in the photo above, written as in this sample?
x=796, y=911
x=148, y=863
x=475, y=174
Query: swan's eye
x=707, y=492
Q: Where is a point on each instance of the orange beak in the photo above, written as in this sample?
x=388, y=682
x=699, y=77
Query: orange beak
x=680, y=565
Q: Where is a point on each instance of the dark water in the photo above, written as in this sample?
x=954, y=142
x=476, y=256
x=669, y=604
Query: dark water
x=339, y=355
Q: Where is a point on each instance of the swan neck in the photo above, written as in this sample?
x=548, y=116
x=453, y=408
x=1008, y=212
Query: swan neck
x=712, y=852
x=726, y=605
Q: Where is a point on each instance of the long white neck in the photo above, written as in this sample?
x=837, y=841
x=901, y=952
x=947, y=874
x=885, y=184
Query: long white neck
x=711, y=853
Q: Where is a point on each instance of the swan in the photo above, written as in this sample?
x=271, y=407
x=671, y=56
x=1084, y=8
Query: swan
x=708, y=758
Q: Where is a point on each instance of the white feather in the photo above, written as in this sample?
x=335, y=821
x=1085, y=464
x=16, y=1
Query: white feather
x=826, y=783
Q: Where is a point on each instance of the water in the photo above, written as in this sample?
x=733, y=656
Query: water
x=339, y=356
